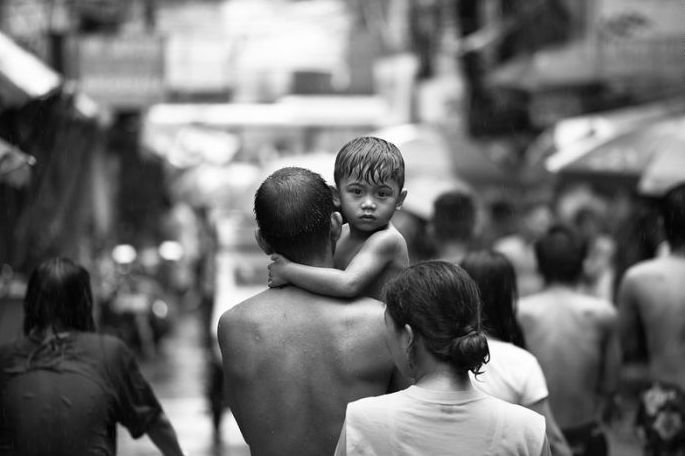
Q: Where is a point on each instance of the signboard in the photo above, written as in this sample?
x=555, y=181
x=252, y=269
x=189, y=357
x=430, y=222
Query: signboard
x=122, y=71
x=639, y=38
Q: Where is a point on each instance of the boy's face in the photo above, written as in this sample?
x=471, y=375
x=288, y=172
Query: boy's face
x=368, y=206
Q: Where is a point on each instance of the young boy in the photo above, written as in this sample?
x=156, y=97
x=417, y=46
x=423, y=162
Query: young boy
x=369, y=175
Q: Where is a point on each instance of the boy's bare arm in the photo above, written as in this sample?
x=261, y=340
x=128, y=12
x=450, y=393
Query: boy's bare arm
x=375, y=254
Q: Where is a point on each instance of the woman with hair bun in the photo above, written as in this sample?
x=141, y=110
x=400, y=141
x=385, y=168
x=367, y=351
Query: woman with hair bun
x=434, y=333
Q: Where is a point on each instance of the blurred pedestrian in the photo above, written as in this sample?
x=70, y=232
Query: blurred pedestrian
x=63, y=387
x=369, y=175
x=598, y=272
x=452, y=225
x=651, y=299
x=293, y=359
x=433, y=328
x=574, y=337
x=512, y=373
x=518, y=247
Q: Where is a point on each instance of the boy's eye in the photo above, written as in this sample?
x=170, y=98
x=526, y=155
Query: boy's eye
x=356, y=191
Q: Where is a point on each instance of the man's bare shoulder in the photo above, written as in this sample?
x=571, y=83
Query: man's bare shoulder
x=544, y=302
x=663, y=266
x=274, y=305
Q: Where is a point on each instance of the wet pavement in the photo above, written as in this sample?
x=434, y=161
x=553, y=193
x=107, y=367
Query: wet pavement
x=178, y=378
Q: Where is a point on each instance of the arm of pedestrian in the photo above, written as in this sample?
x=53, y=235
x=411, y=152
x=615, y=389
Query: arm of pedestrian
x=557, y=443
x=341, y=447
x=611, y=365
x=629, y=319
x=163, y=435
x=546, y=451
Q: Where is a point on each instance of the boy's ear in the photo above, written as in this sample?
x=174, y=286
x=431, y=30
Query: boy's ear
x=261, y=242
x=336, y=225
x=400, y=199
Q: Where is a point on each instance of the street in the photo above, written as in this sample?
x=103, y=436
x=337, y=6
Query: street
x=177, y=377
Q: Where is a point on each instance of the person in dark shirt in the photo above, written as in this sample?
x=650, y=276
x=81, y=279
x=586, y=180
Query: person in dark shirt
x=63, y=387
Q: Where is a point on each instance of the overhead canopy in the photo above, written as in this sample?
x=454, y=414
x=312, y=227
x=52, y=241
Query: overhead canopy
x=22, y=75
x=576, y=138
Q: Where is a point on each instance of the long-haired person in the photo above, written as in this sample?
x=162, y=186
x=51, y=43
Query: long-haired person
x=433, y=329
x=63, y=387
x=512, y=374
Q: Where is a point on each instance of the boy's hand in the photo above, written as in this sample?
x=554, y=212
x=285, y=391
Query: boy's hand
x=276, y=267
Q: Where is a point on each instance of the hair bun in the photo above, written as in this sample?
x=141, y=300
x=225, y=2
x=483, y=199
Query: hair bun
x=470, y=351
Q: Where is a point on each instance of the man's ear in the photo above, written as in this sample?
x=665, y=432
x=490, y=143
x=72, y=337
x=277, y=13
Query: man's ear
x=400, y=199
x=336, y=225
x=336, y=196
x=261, y=242
x=407, y=338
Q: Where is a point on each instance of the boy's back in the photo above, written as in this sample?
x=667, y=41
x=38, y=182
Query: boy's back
x=569, y=333
x=293, y=360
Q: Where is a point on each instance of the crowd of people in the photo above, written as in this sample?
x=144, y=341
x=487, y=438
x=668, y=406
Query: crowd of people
x=355, y=348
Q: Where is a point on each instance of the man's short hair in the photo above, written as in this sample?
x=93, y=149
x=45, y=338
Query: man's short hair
x=673, y=213
x=293, y=207
x=454, y=216
x=370, y=159
x=560, y=255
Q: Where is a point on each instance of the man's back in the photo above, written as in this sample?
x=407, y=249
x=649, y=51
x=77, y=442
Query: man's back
x=573, y=337
x=652, y=294
x=293, y=360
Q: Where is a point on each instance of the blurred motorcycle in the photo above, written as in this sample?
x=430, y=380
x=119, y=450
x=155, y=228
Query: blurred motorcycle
x=136, y=308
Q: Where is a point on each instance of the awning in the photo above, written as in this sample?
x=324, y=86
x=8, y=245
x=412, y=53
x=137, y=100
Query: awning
x=22, y=75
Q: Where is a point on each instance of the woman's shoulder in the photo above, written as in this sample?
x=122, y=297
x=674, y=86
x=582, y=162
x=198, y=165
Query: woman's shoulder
x=102, y=343
x=378, y=403
x=510, y=353
x=517, y=417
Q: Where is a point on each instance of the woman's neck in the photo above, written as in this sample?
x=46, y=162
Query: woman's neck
x=444, y=380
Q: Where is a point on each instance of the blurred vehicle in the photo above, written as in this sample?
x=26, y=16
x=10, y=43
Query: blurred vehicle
x=134, y=304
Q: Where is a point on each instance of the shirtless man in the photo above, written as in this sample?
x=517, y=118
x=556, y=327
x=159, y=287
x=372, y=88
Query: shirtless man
x=292, y=359
x=651, y=298
x=575, y=338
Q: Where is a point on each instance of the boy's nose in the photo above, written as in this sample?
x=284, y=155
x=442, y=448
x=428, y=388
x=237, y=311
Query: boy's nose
x=368, y=203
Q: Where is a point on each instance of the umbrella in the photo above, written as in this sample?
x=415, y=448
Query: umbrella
x=625, y=154
x=664, y=172
x=425, y=151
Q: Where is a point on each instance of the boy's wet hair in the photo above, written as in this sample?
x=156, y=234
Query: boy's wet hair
x=370, y=159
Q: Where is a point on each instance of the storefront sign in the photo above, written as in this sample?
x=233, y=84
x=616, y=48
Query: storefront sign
x=640, y=38
x=122, y=71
